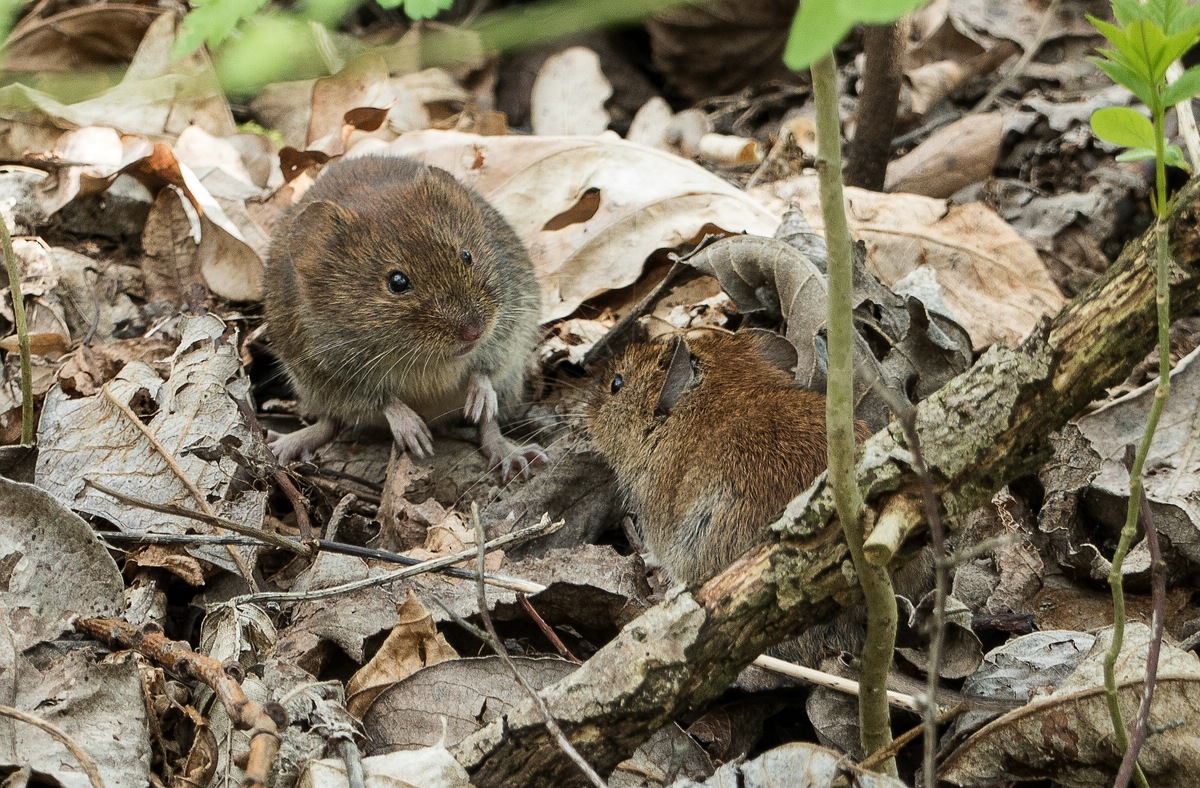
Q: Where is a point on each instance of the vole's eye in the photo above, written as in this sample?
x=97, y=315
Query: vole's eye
x=397, y=282
x=618, y=384
x=466, y=257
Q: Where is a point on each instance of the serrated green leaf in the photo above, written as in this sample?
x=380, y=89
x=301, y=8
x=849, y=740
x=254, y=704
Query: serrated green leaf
x=1188, y=19
x=816, y=29
x=1184, y=88
x=1120, y=74
x=1115, y=35
x=1123, y=126
x=1126, y=11
x=1174, y=47
x=1145, y=52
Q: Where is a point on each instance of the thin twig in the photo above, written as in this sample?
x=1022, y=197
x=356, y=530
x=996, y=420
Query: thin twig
x=18, y=305
x=340, y=512
x=516, y=537
x=497, y=646
x=820, y=678
x=299, y=505
x=215, y=520
x=184, y=479
x=550, y=634
x=59, y=735
x=262, y=722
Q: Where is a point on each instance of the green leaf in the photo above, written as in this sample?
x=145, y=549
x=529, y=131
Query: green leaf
x=1190, y=18
x=210, y=22
x=1136, y=154
x=1174, y=47
x=1184, y=88
x=1173, y=157
x=819, y=25
x=1120, y=74
x=1147, y=43
x=1126, y=11
x=816, y=29
x=1115, y=35
x=1123, y=126
x=419, y=9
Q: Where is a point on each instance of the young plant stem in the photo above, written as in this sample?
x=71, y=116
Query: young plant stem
x=874, y=721
x=18, y=303
x=1129, y=531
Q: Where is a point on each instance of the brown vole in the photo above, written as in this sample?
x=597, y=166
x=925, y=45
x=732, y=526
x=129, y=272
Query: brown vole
x=709, y=439
x=396, y=295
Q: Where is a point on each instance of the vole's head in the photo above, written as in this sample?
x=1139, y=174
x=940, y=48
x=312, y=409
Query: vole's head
x=406, y=277
x=690, y=381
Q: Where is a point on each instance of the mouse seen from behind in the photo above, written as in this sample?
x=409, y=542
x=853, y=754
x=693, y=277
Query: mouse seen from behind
x=396, y=295
x=709, y=438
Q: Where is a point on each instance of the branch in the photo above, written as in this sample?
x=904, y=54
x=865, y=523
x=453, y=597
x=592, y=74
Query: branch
x=983, y=429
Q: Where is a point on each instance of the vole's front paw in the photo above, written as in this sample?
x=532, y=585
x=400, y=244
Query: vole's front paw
x=299, y=446
x=513, y=460
x=409, y=430
x=482, y=403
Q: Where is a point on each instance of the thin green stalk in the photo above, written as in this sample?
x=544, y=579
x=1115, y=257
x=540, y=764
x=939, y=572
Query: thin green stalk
x=873, y=717
x=18, y=302
x=1129, y=530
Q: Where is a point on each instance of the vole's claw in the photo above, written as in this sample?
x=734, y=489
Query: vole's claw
x=519, y=461
x=409, y=430
x=482, y=403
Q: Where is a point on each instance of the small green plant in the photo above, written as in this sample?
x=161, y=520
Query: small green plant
x=820, y=25
x=1146, y=39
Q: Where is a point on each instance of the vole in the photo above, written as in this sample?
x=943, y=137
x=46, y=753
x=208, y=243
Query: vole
x=709, y=438
x=396, y=295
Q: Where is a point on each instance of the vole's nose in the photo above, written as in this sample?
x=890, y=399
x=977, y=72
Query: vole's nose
x=470, y=328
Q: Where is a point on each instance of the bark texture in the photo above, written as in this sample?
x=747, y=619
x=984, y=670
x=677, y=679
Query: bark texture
x=983, y=429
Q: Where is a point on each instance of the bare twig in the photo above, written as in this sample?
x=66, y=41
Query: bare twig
x=299, y=505
x=215, y=520
x=867, y=159
x=550, y=634
x=262, y=722
x=18, y=305
x=820, y=678
x=59, y=735
x=516, y=537
x=903, y=739
x=497, y=646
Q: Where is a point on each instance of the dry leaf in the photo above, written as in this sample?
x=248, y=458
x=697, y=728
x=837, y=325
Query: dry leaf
x=569, y=95
x=963, y=153
x=414, y=643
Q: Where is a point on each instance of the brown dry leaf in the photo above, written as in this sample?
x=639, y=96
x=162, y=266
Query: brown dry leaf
x=79, y=39
x=179, y=564
x=963, y=261
x=963, y=153
x=155, y=460
x=414, y=643
x=590, y=210
x=1067, y=736
x=569, y=95
x=171, y=264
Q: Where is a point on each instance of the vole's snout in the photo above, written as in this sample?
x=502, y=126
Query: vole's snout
x=470, y=328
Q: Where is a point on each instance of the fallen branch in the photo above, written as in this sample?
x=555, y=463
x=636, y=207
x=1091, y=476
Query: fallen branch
x=983, y=429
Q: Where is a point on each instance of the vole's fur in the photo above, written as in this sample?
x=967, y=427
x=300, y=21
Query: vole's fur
x=453, y=334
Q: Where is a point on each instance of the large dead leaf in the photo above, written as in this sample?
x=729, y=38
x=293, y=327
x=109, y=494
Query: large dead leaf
x=55, y=569
x=590, y=210
x=1172, y=472
x=794, y=764
x=1066, y=736
x=962, y=260
x=169, y=458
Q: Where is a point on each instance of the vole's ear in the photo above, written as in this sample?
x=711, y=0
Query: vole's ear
x=680, y=376
x=777, y=350
x=323, y=220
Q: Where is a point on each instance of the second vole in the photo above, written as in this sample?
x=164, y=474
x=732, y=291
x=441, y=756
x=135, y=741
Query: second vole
x=709, y=438
x=396, y=295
